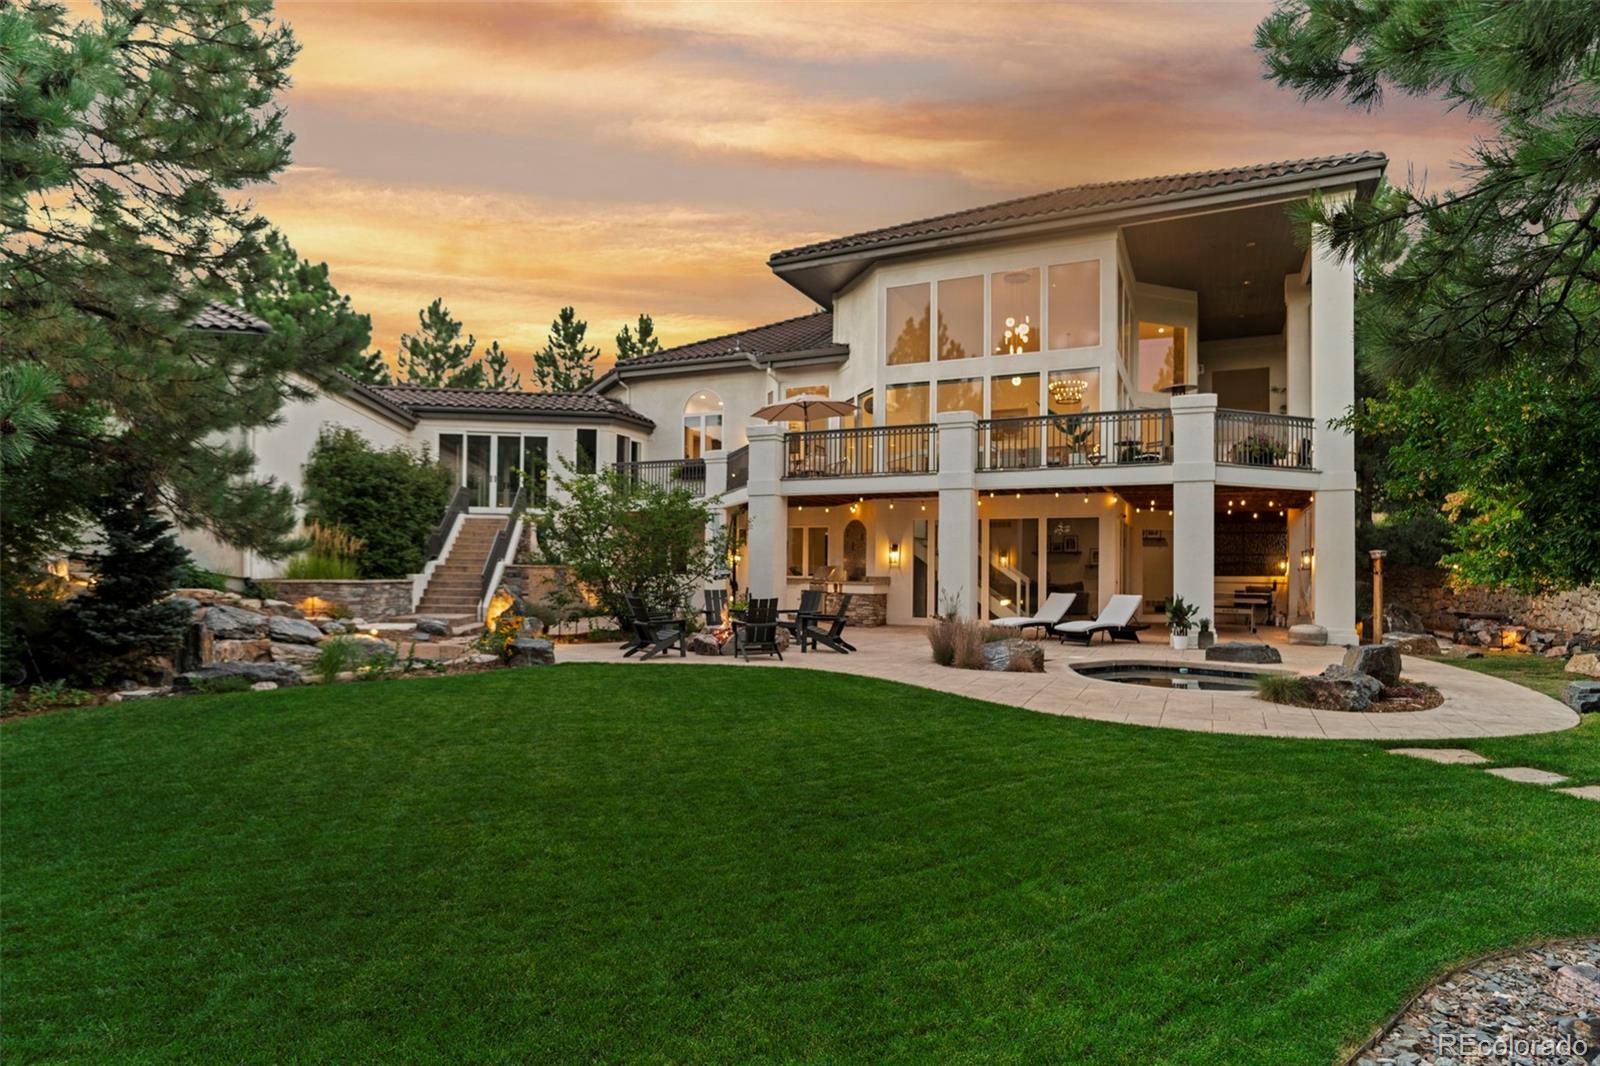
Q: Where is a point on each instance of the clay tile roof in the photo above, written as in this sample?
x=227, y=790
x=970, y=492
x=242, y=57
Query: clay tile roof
x=423, y=399
x=1077, y=199
x=808, y=333
x=218, y=317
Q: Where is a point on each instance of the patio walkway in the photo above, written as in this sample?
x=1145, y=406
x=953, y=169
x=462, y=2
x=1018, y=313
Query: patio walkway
x=1475, y=705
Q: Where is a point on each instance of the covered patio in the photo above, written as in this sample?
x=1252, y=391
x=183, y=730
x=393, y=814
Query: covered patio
x=1475, y=705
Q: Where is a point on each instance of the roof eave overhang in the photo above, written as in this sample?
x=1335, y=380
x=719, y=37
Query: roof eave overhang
x=821, y=276
x=478, y=413
x=617, y=375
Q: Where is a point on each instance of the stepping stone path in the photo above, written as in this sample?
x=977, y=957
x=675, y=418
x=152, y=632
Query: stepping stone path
x=1527, y=775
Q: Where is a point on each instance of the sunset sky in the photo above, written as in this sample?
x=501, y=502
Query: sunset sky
x=647, y=157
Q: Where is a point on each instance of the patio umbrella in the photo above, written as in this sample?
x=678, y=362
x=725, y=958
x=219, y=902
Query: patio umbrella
x=804, y=409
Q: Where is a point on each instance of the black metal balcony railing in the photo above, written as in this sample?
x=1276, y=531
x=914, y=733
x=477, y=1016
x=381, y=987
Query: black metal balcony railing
x=739, y=468
x=1093, y=438
x=668, y=474
x=867, y=452
x=1253, y=438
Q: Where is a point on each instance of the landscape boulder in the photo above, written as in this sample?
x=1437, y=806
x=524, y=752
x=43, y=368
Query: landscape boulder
x=239, y=651
x=1242, y=651
x=1340, y=688
x=530, y=651
x=1015, y=655
x=233, y=623
x=1308, y=633
x=282, y=673
x=1583, y=696
x=1381, y=661
x=1413, y=643
x=292, y=630
x=282, y=652
x=264, y=686
x=1587, y=664
x=434, y=627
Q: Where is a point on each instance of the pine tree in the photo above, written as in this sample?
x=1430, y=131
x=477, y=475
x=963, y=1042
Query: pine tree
x=308, y=315
x=125, y=139
x=373, y=369
x=566, y=363
x=435, y=355
x=631, y=345
x=497, y=366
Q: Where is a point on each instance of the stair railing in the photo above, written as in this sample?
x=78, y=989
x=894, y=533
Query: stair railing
x=503, y=540
x=441, y=533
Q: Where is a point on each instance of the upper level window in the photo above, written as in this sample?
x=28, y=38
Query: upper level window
x=1072, y=391
x=906, y=336
x=907, y=404
x=1075, y=304
x=962, y=394
x=588, y=449
x=1014, y=396
x=702, y=424
x=1014, y=311
x=1162, y=355
x=961, y=318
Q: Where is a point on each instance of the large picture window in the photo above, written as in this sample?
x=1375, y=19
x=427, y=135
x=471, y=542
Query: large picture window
x=1014, y=396
x=1014, y=311
x=906, y=336
x=1162, y=355
x=702, y=424
x=962, y=394
x=961, y=318
x=907, y=405
x=1075, y=304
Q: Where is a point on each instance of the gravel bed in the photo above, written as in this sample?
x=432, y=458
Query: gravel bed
x=1529, y=1008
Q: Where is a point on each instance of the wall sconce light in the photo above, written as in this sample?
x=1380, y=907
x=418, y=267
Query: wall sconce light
x=894, y=556
x=1283, y=566
x=1305, y=559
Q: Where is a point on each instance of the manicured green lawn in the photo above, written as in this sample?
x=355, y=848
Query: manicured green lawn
x=687, y=864
x=1575, y=752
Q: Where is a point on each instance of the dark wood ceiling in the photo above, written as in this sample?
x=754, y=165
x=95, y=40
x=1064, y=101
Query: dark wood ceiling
x=1215, y=255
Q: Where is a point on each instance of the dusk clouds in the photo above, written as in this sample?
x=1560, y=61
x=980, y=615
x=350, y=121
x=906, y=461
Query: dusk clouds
x=623, y=158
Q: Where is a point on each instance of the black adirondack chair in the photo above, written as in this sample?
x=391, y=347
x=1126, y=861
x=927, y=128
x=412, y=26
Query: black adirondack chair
x=757, y=632
x=810, y=605
x=716, y=607
x=824, y=629
x=656, y=633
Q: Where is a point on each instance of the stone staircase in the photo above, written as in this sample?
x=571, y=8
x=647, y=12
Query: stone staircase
x=455, y=587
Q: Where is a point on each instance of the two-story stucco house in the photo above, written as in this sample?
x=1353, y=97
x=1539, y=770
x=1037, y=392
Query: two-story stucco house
x=1120, y=387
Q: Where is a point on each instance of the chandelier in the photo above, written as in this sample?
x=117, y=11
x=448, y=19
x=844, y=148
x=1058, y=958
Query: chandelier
x=1016, y=336
x=1067, y=391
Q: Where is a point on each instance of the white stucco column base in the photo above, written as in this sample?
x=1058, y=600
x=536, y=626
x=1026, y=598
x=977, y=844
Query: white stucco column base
x=958, y=580
x=1333, y=569
x=768, y=537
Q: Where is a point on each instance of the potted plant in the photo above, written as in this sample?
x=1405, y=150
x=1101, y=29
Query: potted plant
x=1180, y=616
x=1207, y=638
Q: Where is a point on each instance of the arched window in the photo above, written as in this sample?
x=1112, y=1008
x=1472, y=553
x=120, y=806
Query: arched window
x=702, y=424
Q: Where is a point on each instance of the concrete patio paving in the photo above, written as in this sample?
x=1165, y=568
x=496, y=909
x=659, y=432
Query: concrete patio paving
x=1475, y=705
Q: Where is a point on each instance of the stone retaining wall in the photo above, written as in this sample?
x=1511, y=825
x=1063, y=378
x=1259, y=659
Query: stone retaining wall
x=1425, y=591
x=372, y=600
x=533, y=582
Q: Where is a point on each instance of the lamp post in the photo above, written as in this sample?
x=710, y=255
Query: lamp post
x=1377, y=594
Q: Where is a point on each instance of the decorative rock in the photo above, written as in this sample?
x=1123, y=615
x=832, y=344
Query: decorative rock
x=1014, y=655
x=1413, y=643
x=234, y=623
x=1583, y=696
x=365, y=647
x=282, y=673
x=335, y=626
x=1242, y=651
x=1308, y=633
x=1578, y=984
x=703, y=643
x=480, y=659
x=293, y=631
x=264, y=686
x=1340, y=688
x=531, y=651
x=434, y=627
x=143, y=693
x=1381, y=661
x=292, y=653
x=239, y=651
x=1587, y=664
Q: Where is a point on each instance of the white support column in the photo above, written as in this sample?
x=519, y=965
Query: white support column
x=716, y=473
x=1333, y=387
x=1297, y=345
x=1194, y=505
x=769, y=512
x=958, y=578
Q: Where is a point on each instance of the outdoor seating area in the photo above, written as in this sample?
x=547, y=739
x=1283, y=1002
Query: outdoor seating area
x=1115, y=622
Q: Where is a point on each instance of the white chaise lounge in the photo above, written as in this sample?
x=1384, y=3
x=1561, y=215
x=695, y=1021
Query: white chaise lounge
x=1116, y=621
x=1056, y=606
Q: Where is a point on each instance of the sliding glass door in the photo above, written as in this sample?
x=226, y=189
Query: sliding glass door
x=492, y=466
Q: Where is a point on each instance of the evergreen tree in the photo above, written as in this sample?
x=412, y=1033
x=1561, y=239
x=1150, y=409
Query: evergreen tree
x=373, y=369
x=124, y=619
x=308, y=315
x=566, y=363
x=497, y=367
x=1478, y=311
x=436, y=355
x=631, y=345
x=124, y=138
